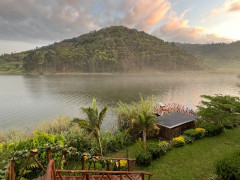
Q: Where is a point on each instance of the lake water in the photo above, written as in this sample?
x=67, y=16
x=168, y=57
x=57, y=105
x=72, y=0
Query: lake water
x=26, y=100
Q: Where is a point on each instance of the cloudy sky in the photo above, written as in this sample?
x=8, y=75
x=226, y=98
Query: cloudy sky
x=26, y=24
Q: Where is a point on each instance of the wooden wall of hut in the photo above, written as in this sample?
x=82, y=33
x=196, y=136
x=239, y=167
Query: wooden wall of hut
x=170, y=133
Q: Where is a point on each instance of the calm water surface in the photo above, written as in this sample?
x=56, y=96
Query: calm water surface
x=28, y=100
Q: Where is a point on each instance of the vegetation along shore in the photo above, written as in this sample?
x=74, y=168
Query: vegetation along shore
x=202, y=148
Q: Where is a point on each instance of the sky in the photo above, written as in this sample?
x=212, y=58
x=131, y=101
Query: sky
x=27, y=24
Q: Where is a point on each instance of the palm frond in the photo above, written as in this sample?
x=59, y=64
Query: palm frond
x=101, y=116
x=83, y=124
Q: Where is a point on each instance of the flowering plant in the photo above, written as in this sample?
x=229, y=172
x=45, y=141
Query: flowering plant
x=178, y=141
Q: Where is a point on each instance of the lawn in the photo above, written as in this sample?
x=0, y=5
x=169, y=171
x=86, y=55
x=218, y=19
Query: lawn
x=193, y=161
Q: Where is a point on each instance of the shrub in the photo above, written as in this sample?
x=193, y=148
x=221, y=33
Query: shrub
x=165, y=145
x=212, y=129
x=115, y=143
x=156, y=150
x=202, y=131
x=78, y=139
x=229, y=166
x=178, y=141
x=143, y=158
x=193, y=133
x=188, y=139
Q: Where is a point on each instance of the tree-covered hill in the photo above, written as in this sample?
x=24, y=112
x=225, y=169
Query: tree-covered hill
x=112, y=49
x=215, y=54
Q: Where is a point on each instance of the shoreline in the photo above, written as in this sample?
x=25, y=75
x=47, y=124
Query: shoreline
x=225, y=71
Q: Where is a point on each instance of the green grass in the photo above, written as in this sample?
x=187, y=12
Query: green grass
x=193, y=161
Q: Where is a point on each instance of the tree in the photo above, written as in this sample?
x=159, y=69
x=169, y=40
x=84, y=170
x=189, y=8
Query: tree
x=93, y=122
x=137, y=117
x=223, y=110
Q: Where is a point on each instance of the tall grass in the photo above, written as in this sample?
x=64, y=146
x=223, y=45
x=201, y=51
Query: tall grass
x=57, y=126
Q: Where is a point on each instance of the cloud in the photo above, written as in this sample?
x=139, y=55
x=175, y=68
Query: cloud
x=177, y=29
x=54, y=20
x=30, y=20
x=144, y=15
x=229, y=6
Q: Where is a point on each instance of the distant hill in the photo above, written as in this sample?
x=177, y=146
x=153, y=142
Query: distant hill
x=215, y=54
x=112, y=49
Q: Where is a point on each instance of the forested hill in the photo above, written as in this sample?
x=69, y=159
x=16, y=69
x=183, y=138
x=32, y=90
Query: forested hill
x=215, y=52
x=112, y=49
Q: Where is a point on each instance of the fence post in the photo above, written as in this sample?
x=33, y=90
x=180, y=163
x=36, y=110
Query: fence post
x=87, y=176
x=11, y=171
x=48, y=155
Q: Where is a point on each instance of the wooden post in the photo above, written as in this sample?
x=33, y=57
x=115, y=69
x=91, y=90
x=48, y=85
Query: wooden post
x=48, y=155
x=108, y=166
x=83, y=163
x=53, y=173
x=87, y=176
x=142, y=176
x=11, y=171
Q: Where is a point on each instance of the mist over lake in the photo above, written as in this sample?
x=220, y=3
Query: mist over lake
x=26, y=100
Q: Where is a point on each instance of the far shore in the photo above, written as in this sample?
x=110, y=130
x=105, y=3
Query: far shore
x=225, y=71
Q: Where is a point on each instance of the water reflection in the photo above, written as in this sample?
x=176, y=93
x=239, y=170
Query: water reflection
x=26, y=100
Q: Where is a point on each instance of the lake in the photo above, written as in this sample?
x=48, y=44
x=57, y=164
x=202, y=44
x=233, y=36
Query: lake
x=26, y=100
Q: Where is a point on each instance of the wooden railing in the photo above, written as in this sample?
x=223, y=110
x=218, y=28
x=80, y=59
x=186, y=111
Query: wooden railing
x=54, y=172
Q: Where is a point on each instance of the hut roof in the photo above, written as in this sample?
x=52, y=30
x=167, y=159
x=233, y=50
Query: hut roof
x=174, y=119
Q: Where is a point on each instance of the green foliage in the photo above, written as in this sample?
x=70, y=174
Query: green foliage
x=93, y=122
x=78, y=139
x=115, y=142
x=223, y=110
x=156, y=150
x=212, y=129
x=193, y=133
x=228, y=167
x=58, y=126
x=143, y=158
x=215, y=54
x=137, y=117
x=113, y=49
x=188, y=139
x=165, y=145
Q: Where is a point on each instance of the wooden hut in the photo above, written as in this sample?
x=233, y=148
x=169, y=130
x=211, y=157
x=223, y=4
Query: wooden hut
x=174, y=124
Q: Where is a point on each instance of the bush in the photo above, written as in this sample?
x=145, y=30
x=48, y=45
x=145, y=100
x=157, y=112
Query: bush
x=212, y=129
x=156, y=150
x=144, y=158
x=78, y=139
x=229, y=167
x=193, y=133
x=165, y=145
x=115, y=143
x=188, y=139
x=202, y=131
x=178, y=141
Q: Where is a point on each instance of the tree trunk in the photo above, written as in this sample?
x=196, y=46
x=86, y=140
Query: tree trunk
x=100, y=145
x=144, y=138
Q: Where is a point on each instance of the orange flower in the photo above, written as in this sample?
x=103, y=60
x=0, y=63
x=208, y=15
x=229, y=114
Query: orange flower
x=85, y=158
x=34, y=150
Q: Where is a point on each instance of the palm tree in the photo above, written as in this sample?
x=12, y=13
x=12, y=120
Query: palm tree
x=137, y=117
x=93, y=122
x=145, y=123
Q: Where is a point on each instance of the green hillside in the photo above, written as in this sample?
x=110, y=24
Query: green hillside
x=113, y=49
x=216, y=55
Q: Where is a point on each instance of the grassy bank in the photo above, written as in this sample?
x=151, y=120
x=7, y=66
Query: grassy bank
x=193, y=161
